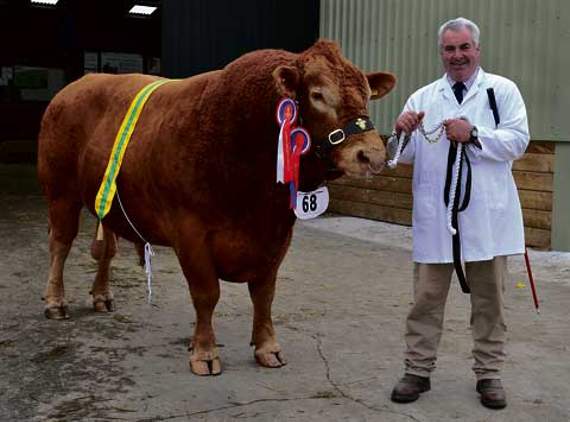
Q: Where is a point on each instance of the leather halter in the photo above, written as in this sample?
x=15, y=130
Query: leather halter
x=324, y=147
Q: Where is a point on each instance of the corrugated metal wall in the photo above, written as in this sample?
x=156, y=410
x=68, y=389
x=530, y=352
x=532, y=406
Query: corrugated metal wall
x=527, y=41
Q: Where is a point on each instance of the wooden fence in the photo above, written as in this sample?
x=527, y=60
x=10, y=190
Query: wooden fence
x=389, y=197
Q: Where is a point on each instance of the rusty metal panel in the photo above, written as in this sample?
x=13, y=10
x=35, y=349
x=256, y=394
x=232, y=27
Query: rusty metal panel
x=527, y=41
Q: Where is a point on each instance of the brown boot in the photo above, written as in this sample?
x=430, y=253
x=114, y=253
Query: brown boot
x=409, y=388
x=492, y=393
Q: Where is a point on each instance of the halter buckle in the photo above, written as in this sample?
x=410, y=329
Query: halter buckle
x=336, y=136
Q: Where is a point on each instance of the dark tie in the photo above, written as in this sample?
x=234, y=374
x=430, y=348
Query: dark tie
x=458, y=88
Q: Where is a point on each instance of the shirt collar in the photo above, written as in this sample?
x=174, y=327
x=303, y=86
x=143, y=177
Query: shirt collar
x=468, y=83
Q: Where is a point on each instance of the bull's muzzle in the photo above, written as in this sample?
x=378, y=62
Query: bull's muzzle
x=373, y=159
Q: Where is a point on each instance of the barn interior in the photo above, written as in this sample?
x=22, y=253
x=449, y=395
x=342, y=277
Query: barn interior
x=50, y=43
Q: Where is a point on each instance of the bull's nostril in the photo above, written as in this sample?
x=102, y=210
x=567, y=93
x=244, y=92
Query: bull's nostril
x=362, y=157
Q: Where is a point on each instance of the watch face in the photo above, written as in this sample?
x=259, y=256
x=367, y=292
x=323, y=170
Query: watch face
x=474, y=132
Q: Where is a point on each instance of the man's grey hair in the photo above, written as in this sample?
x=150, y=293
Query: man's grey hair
x=458, y=24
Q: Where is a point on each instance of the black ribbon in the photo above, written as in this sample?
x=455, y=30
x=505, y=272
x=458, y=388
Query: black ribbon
x=493, y=105
x=456, y=208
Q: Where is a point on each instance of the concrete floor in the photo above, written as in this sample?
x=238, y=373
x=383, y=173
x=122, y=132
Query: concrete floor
x=343, y=294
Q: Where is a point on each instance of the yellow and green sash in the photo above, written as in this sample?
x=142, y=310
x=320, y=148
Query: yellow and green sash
x=108, y=188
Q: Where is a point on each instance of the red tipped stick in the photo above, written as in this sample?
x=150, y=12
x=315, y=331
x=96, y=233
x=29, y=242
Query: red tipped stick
x=531, y=280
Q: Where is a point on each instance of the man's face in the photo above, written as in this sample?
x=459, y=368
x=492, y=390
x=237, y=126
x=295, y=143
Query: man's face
x=459, y=54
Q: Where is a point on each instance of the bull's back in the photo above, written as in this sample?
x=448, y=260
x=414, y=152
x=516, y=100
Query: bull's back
x=79, y=110
x=81, y=122
x=80, y=126
x=76, y=114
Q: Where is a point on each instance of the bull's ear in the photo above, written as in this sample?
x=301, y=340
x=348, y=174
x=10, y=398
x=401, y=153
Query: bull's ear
x=287, y=80
x=380, y=83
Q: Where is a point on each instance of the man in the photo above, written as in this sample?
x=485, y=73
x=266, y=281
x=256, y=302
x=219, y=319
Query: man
x=491, y=225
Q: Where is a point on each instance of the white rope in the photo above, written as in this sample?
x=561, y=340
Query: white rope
x=401, y=140
x=453, y=189
x=394, y=161
x=148, y=252
x=455, y=178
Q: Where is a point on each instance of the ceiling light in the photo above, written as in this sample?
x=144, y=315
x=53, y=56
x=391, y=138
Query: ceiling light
x=50, y=2
x=137, y=9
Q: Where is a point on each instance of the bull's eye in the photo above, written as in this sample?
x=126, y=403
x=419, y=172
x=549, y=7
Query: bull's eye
x=317, y=96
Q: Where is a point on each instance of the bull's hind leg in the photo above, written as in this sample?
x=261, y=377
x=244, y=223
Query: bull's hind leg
x=204, y=287
x=139, y=247
x=267, y=350
x=63, y=217
x=103, y=251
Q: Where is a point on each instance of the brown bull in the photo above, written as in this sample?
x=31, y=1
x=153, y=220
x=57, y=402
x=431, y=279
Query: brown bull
x=199, y=173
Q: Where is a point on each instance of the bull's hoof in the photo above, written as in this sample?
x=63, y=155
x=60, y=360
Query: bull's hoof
x=270, y=359
x=56, y=312
x=103, y=302
x=107, y=305
x=206, y=367
x=205, y=363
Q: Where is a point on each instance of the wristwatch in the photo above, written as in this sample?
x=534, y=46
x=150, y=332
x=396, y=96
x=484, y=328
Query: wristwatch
x=474, y=136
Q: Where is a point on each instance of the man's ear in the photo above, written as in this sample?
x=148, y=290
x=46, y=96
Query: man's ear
x=287, y=80
x=380, y=83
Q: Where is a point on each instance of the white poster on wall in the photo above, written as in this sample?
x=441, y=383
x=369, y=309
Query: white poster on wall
x=38, y=83
x=121, y=62
x=90, y=62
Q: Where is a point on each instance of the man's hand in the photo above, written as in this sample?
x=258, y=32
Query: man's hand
x=408, y=122
x=458, y=130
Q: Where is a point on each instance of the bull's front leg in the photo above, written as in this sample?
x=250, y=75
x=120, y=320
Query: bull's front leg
x=198, y=268
x=267, y=350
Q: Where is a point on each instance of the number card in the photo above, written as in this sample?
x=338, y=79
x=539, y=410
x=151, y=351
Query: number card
x=312, y=204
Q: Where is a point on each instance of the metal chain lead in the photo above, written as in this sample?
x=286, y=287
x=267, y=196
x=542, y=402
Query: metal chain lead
x=426, y=134
x=401, y=141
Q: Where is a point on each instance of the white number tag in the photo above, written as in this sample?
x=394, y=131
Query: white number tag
x=312, y=204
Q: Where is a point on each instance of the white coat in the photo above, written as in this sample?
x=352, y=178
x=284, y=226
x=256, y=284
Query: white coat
x=492, y=224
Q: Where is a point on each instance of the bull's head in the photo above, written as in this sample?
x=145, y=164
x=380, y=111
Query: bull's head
x=333, y=97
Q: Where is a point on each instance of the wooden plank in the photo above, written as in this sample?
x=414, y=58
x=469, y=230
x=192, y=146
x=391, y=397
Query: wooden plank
x=533, y=181
x=386, y=183
x=401, y=170
x=538, y=215
x=525, y=180
x=535, y=162
x=531, y=199
x=541, y=147
x=537, y=238
x=535, y=200
x=537, y=219
x=371, y=196
x=374, y=212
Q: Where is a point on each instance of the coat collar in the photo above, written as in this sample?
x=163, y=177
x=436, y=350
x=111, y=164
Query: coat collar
x=444, y=88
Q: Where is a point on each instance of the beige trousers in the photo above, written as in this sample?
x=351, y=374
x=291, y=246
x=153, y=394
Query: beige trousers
x=425, y=321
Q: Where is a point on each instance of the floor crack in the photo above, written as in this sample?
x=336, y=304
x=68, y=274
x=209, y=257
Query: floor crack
x=345, y=395
x=233, y=405
x=335, y=386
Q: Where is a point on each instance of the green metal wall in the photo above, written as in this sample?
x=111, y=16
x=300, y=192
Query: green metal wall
x=527, y=41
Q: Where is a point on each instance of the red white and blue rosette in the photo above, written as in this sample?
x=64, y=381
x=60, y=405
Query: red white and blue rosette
x=286, y=117
x=300, y=143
